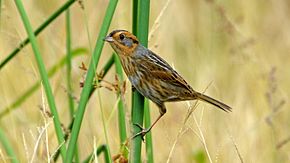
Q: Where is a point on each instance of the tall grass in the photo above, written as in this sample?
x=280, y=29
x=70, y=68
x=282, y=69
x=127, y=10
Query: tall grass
x=8, y=148
x=37, y=31
x=44, y=77
x=241, y=47
x=89, y=80
x=30, y=91
x=140, y=19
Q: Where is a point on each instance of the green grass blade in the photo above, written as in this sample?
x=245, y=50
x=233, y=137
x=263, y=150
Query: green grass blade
x=147, y=123
x=37, y=31
x=69, y=85
x=31, y=90
x=103, y=148
x=8, y=148
x=104, y=72
x=107, y=67
x=68, y=63
x=135, y=16
x=140, y=27
x=143, y=21
x=137, y=110
x=121, y=109
x=89, y=80
x=44, y=76
x=142, y=34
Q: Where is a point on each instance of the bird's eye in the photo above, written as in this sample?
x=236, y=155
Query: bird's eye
x=122, y=36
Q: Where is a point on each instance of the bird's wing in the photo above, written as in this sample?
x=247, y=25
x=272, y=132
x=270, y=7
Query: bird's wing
x=158, y=68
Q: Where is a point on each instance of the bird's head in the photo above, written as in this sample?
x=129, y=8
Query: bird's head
x=122, y=41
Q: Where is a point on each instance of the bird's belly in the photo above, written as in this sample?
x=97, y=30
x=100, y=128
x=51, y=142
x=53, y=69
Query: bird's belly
x=143, y=88
x=153, y=91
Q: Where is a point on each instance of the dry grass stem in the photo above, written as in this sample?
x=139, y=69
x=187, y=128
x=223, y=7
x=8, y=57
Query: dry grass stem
x=156, y=23
x=41, y=132
x=202, y=137
x=237, y=150
x=181, y=132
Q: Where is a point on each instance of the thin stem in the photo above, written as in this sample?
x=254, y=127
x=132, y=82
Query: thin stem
x=24, y=96
x=36, y=32
x=140, y=29
x=121, y=109
x=69, y=85
x=104, y=72
x=149, y=142
x=8, y=148
x=44, y=76
x=89, y=80
x=101, y=149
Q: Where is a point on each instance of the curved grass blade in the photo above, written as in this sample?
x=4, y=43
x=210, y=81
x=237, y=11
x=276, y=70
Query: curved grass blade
x=31, y=90
x=37, y=31
x=44, y=76
x=104, y=72
x=89, y=80
x=8, y=148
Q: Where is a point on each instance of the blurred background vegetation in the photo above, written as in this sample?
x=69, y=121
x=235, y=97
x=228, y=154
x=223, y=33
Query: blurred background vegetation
x=235, y=51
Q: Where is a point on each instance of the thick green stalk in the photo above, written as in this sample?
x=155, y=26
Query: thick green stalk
x=89, y=80
x=135, y=16
x=137, y=109
x=141, y=8
x=142, y=34
x=147, y=124
x=44, y=77
x=36, y=32
x=7, y=147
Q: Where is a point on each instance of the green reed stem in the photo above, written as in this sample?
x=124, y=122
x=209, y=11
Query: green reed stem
x=148, y=136
x=69, y=81
x=121, y=109
x=44, y=76
x=8, y=148
x=68, y=63
x=103, y=72
x=89, y=80
x=137, y=109
x=36, y=32
x=141, y=8
x=142, y=34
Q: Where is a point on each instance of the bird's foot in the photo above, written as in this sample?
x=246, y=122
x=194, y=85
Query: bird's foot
x=142, y=133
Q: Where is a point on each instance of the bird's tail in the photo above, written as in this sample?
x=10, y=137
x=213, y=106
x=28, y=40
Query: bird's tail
x=214, y=102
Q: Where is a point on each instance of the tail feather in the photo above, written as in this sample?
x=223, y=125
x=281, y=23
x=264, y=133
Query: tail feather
x=214, y=102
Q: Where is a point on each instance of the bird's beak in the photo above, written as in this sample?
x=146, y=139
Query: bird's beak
x=108, y=39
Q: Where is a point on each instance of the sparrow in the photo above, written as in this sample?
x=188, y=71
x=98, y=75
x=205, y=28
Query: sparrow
x=152, y=76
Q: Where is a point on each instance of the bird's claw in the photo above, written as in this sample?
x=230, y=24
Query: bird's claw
x=140, y=127
x=142, y=133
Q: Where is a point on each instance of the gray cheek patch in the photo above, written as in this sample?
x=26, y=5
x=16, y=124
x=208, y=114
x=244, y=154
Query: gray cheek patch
x=127, y=42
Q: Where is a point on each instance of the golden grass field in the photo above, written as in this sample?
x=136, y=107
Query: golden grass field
x=235, y=51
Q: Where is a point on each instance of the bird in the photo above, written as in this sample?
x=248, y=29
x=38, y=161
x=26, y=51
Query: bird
x=152, y=76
